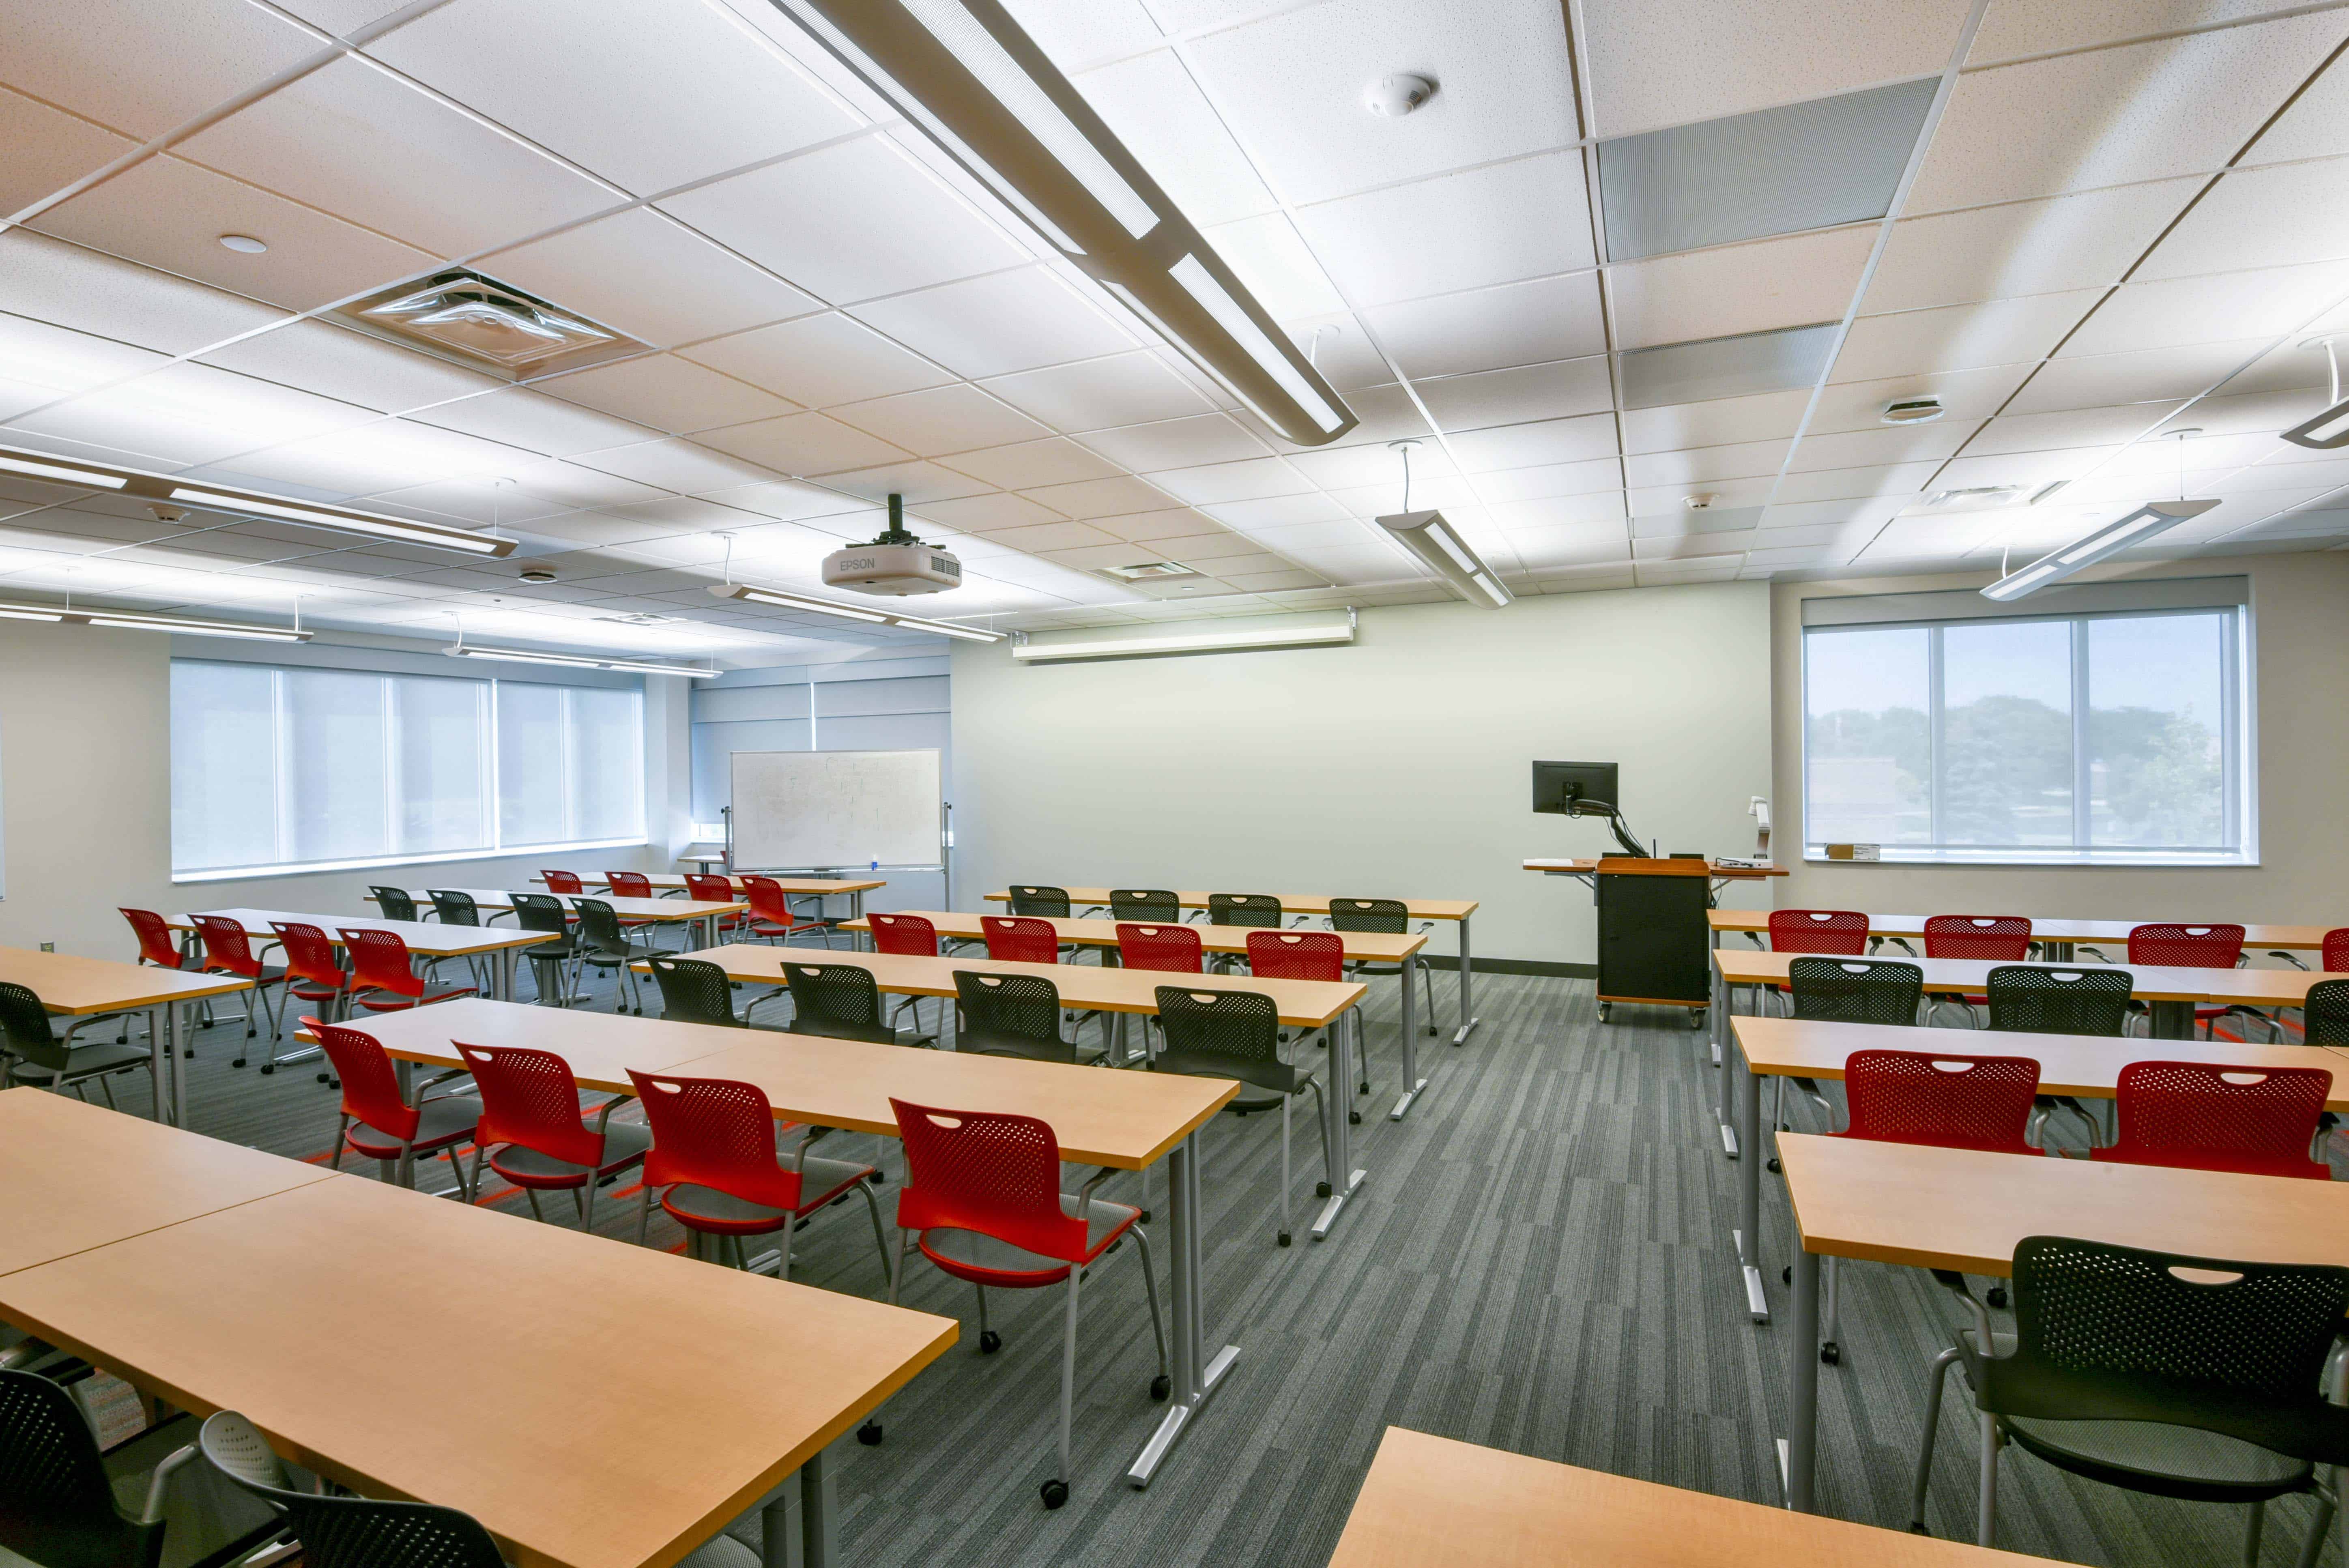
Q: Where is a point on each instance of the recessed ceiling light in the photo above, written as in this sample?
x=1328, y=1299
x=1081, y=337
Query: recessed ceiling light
x=243, y=244
x=1913, y=411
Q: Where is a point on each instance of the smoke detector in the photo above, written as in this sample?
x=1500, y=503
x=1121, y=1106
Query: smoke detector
x=536, y=575
x=1396, y=96
x=894, y=565
x=1697, y=502
x=163, y=511
x=1913, y=411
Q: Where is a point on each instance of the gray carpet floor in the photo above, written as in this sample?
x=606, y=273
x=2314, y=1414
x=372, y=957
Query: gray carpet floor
x=1540, y=1262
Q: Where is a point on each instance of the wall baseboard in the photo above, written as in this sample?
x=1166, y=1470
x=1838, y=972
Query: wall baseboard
x=1513, y=966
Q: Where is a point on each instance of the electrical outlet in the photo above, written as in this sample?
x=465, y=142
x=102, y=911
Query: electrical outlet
x=48, y=947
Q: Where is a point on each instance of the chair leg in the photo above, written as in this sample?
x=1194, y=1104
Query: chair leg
x=1159, y=1385
x=880, y=1237
x=2320, y=1526
x=1056, y=1490
x=1285, y=1179
x=1935, y=1381
x=2251, y=1533
x=897, y=1265
x=342, y=1127
x=1986, y=1505
x=644, y=1211
x=587, y=1203
x=783, y=1250
x=535, y=1211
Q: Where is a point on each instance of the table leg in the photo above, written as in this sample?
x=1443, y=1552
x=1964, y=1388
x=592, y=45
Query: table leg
x=155, y=1060
x=1468, y=1018
x=1713, y=991
x=1195, y=1379
x=863, y=940
x=506, y=974
x=1723, y=1035
x=1803, y=1351
x=1341, y=1135
x=1412, y=1082
x=2056, y=953
x=1748, y=1235
x=172, y=1056
x=2173, y=1020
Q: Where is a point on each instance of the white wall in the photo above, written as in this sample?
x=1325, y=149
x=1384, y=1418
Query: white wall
x=1398, y=767
x=2300, y=627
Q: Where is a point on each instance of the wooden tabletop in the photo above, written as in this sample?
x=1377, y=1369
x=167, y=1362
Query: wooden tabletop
x=1303, y=1004
x=1433, y=1502
x=1363, y=946
x=79, y=1176
x=67, y=982
x=2299, y=938
x=2149, y=983
x=1713, y=868
x=789, y=884
x=594, y=1404
x=499, y=900
x=601, y=1048
x=2084, y=1065
x=1290, y=903
x=1957, y=1208
x=429, y=938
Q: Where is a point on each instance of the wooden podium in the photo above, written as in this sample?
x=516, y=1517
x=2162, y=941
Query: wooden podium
x=1652, y=937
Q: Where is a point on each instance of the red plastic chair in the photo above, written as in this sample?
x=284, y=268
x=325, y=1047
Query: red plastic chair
x=531, y=1134
x=1020, y=939
x=906, y=934
x=1947, y=1101
x=2211, y=1117
x=706, y=887
x=714, y=1154
x=983, y=1200
x=2337, y=951
x=1297, y=955
x=382, y=1126
x=563, y=881
x=2196, y=947
x=1167, y=949
x=383, y=976
x=158, y=943
x=228, y=950
x=629, y=884
x=1838, y=933
x=2002, y=938
x=771, y=913
x=313, y=973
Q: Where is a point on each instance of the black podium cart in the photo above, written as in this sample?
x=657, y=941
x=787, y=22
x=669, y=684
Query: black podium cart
x=1653, y=939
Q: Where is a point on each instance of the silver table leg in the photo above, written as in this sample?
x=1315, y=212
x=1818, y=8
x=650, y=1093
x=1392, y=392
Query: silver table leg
x=1196, y=1379
x=1723, y=1036
x=1412, y=1082
x=1713, y=989
x=171, y=1059
x=506, y=974
x=1468, y=1018
x=1748, y=1235
x=1341, y=1132
x=156, y=1059
x=800, y=1526
x=1803, y=1349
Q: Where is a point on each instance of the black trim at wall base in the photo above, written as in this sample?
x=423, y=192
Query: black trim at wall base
x=1511, y=965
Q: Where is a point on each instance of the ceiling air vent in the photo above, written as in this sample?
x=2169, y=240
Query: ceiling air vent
x=643, y=619
x=486, y=324
x=1147, y=568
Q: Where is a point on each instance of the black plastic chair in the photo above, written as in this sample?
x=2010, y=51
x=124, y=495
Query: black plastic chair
x=2179, y=1377
x=1149, y=905
x=553, y=961
x=2091, y=1000
x=42, y=1058
x=1252, y=909
x=396, y=902
x=1236, y=1034
x=695, y=991
x=1855, y=990
x=1051, y=903
x=451, y=907
x=837, y=1000
x=347, y=1531
x=1387, y=916
x=2324, y=1016
x=1016, y=1016
x=602, y=944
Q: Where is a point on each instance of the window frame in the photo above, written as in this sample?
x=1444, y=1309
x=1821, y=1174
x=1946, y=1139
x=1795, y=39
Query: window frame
x=2238, y=751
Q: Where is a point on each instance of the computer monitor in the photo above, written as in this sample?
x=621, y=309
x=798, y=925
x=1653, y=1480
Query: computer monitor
x=1556, y=783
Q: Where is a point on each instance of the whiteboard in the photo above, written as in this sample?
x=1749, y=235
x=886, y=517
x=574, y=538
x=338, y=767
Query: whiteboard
x=836, y=809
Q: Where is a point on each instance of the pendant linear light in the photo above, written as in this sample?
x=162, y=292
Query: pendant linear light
x=1431, y=536
x=146, y=621
x=778, y=597
x=2153, y=517
x=577, y=661
x=972, y=80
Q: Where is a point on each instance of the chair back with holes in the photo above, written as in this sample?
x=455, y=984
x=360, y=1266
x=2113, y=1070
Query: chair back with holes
x=1051, y=903
x=56, y=1505
x=2113, y=1333
x=2093, y=1000
x=694, y=991
x=1390, y=915
x=25, y=1029
x=370, y=1082
x=629, y=885
x=157, y=945
x=909, y=935
x=992, y=1172
x=1259, y=909
x=1171, y=949
x=1010, y=1016
x=228, y=946
x=767, y=901
x=2326, y=1014
x=1017, y=939
x=1297, y=955
x=1947, y=1101
x=1855, y=991
x=234, y=1447
x=380, y=962
x=2202, y=1116
x=2003, y=938
x=453, y=907
x=529, y=1097
x=1839, y=932
x=563, y=882
x=838, y=1001
x=1157, y=905
x=600, y=924
x=539, y=912
x=714, y=1133
x=1222, y=1034
x=396, y=902
x=707, y=887
x=2186, y=947
x=2334, y=957
x=308, y=954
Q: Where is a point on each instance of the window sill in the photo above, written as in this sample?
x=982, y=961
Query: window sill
x=312, y=867
x=2096, y=859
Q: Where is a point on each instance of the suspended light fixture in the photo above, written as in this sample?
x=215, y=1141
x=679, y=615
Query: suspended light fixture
x=62, y=472
x=1431, y=537
x=577, y=661
x=973, y=81
x=2153, y=517
x=2329, y=429
x=148, y=620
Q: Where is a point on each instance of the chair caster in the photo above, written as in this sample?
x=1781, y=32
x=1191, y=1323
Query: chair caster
x=1696, y=1018
x=1831, y=1354
x=333, y=1082
x=1161, y=1385
x=190, y=1053
x=989, y=1342
x=1998, y=1295
x=1432, y=1030
x=1917, y=1527
x=238, y=1063
x=1284, y=1238
x=1355, y=1119
x=1772, y=1165
x=1786, y=1274
x=869, y=1434
x=1320, y=1189
x=1056, y=1493
x=1146, y=1216
x=268, y=1067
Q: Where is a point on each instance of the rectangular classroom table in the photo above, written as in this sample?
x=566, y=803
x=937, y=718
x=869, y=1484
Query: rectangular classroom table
x=817, y=888
x=2057, y=937
x=608, y=1450
x=1961, y=1210
x=80, y=987
x=1433, y=1502
x=1120, y=1120
x=425, y=938
x=1458, y=909
x=2085, y=1067
x=495, y=901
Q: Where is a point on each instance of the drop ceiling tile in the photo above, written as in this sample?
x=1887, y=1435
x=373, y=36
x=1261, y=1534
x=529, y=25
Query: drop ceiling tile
x=1842, y=487
x=2072, y=428
x=1667, y=62
x=1703, y=465
x=2209, y=309
x=147, y=67
x=2145, y=111
x=1275, y=264
x=1959, y=338
x=1810, y=523
x=797, y=444
x=1215, y=551
x=1885, y=445
x=1177, y=443
x=568, y=483
x=648, y=93
x=1384, y=414
x=1737, y=289
x=1152, y=105
x=1343, y=467
x=40, y=363
x=455, y=186
x=1170, y=522
x=318, y=357
x=51, y=281
x=1340, y=350
x=1493, y=329
x=988, y=513
x=392, y=454
x=1715, y=369
x=1303, y=537
x=849, y=222
x=2094, y=380
x=940, y=420
x=2029, y=470
x=1600, y=515
x=666, y=393
x=2085, y=240
x=820, y=361
x=49, y=149
x=1531, y=392
x=1090, y=498
x=1540, y=441
x=1714, y=423
x=920, y=483
x=1667, y=500
x=1291, y=86
x=995, y=326
x=679, y=466
x=2015, y=28
x=2315, y=126
x=1257, y=517
x=1503, y=224
x=1572, y=544
x=2237, y=415
x=1597, y=476
x=649, y=276
x=1053, y=536
x=1273, y=581
x=1030, y=463
x=1094, y=394
x=1964, y=395
x=1383, y=497
x=1096, y=557
x=2268, y=217
x=193, y=413
x=534, y=422
x=1248, y=481
x=2286, y=368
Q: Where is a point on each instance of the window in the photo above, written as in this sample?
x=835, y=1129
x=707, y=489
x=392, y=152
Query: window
x=290, y=769
x=2106, y=737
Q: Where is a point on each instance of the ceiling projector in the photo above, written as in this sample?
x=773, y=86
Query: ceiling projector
x=896, y=563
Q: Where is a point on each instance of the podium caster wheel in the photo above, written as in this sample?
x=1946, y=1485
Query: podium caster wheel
x=869, y=1434
x=989, y=1342
x=1056, y=1493
x=1696, y=1018
x=1604, y=1010
x=1831, y=1354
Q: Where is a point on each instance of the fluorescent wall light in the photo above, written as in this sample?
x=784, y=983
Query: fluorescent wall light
x=145, y=621
x=1221, y=641
x=782, y=600
x=66, y=473
x=1427, y=535
x=577, y=661
x=2138, y=526
x=370, y=525
x=972, y=80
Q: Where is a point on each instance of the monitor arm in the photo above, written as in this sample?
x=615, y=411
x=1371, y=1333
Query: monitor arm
x=1578, y=807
